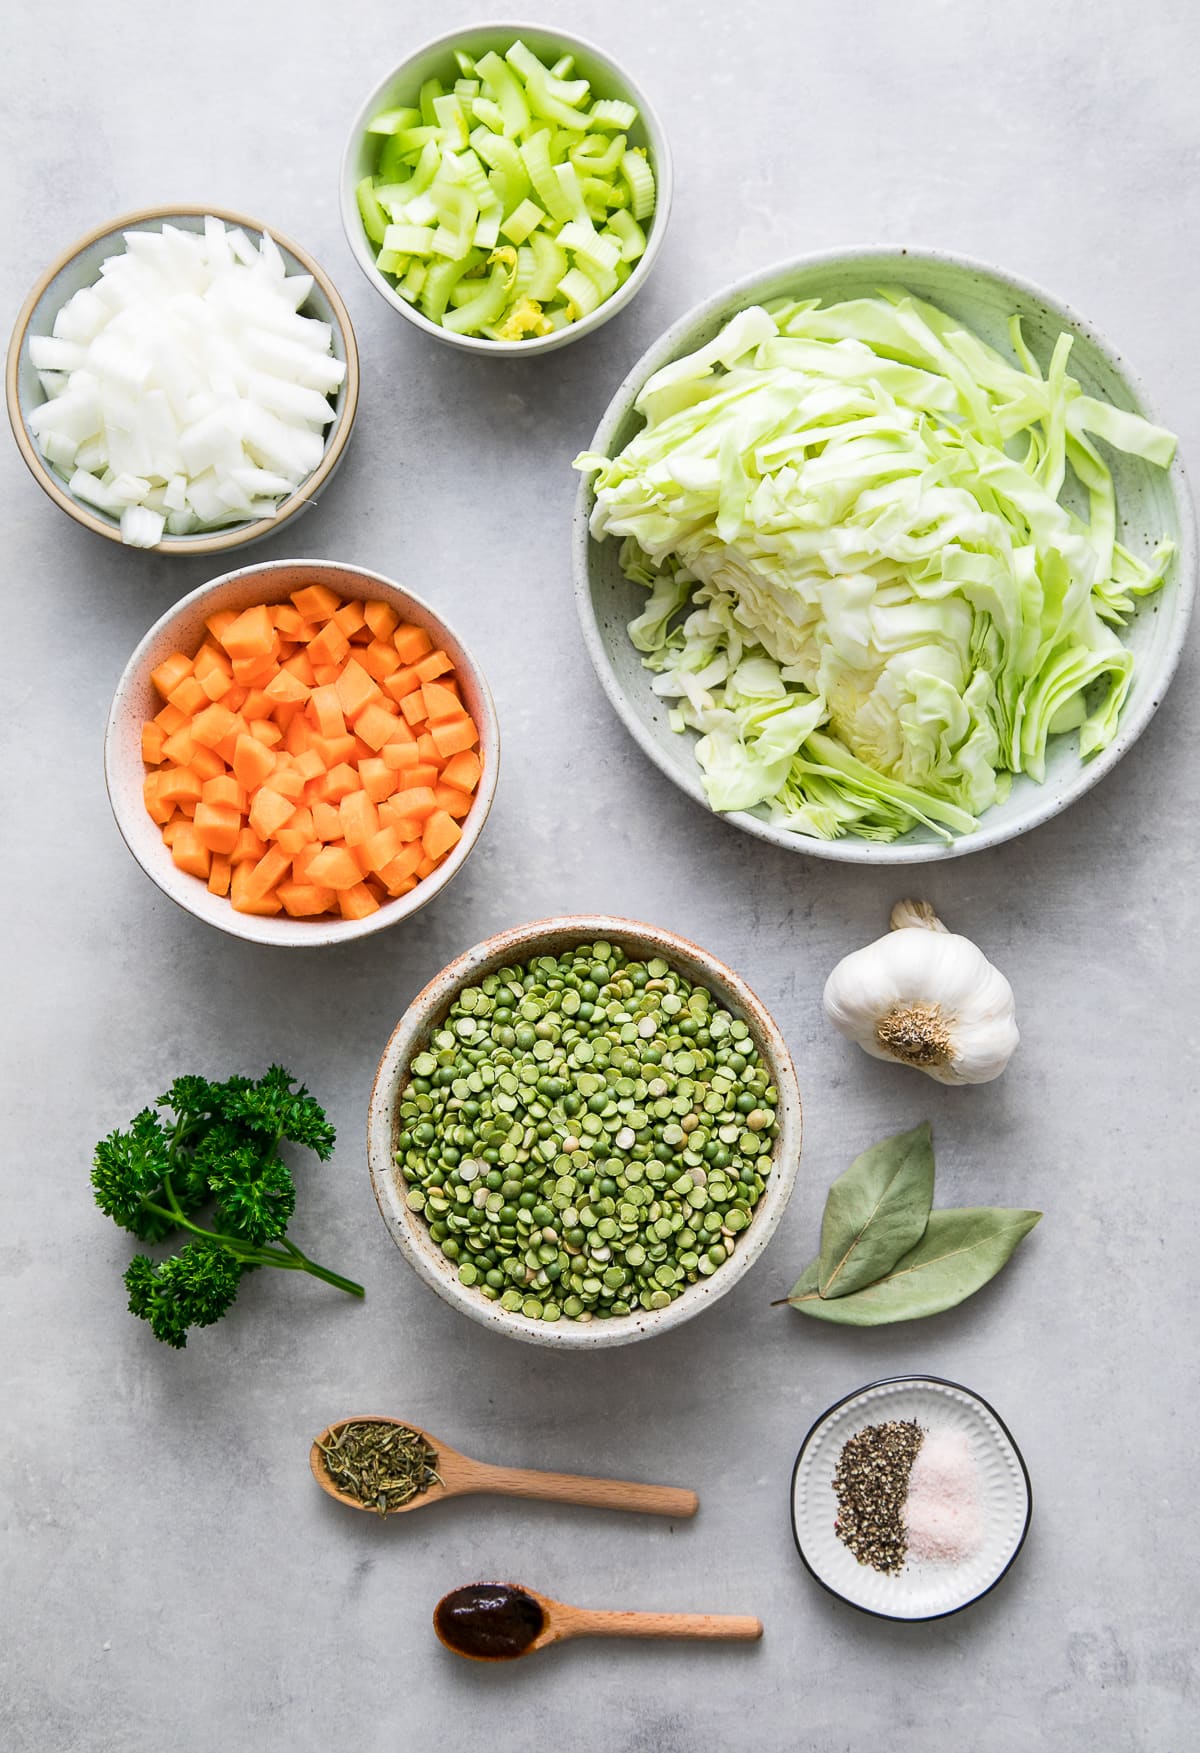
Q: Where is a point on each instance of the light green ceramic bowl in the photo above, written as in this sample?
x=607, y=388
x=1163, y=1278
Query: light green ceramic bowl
x=1151, y=503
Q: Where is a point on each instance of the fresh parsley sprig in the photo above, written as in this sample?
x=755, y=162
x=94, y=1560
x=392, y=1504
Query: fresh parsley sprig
x=217, y=1147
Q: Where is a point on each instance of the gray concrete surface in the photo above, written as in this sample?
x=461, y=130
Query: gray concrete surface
x=171, y=1578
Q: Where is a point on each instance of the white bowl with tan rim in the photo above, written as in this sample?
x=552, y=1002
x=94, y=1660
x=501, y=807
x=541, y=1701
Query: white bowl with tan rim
x=79, y=266
x=183, y=629
x=412, y=1034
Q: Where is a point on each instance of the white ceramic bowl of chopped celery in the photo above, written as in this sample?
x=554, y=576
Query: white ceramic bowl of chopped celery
x=257, y=386
x=506, y=188
x=918, y=632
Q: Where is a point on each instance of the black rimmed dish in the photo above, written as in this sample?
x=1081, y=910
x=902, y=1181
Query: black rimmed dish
x=921, y=1590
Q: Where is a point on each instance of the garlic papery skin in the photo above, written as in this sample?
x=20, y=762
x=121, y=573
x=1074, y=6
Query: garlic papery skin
x=925, y=997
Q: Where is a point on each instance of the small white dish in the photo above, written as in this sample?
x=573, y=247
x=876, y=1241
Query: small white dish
x=920, y=1590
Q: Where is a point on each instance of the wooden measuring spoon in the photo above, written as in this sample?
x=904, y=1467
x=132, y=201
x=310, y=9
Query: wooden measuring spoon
x=499, y=1622
x=462, y=1477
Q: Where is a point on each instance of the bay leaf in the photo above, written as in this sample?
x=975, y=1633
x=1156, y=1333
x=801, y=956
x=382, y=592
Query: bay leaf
x=876, y=1212
x=959, y=1252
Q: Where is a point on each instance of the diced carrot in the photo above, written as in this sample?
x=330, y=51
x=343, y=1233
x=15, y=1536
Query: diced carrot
x=360, y=818
x=265, y=732
x=257, y=704
x=326, y=674
x=271, y=868
x=316, y=602
x=399, y=756
x=297, y=834
x=254, y=672
x=440, y=703
x=355, y=688
x=327, y=712
x=269, y=810
x=306, y=900
x=427, y=867
x=219, y=872
x=210, y=657
x=402, y=867
x=226, y=790
x=218, y=622
x=381, y=848
x=379, y=780
x=455, y=803
x=435, y=664
x=334, y=750
x=350, y=618
x=288, y=621
x=427, y=749
x=308, y=763
x=300, y=666
x=376, y=725
x=381, y=618
x=236, y=697
x=190, y=853
x=285, y=689
x=188, y=695
x=334, y=868
x=217, y=826
x=180, y=747
x=441, y=833
x=170, y=672
x=338, y=783
x=297, y=734
x=213, y=724
x=179, y=785
x=153, y=738
x=414, y=708
x=171, y=719
x=409, y=828
x=245, y=896
x=411, y=642
x=379, y=659
x=206, y=764
x=251, y=634
x=454, y=736
x=158, y=808
x=249, y=848
x=328, y=646
x=357, y=903
x=424, y=773
x=462, y=770
x=402, y=682
x=418, y=803
x=253, y=762
x=327, y=821
x=286, y=781
x=216, y=683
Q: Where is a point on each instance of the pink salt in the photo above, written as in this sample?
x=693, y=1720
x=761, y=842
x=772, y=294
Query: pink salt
x=941, y=1512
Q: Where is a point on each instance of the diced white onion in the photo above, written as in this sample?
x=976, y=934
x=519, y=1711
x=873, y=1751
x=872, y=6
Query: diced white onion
x=183, y=388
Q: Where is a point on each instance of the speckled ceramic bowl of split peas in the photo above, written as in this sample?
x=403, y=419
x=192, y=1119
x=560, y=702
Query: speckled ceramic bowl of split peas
x=183, y=628
x=428, y=1012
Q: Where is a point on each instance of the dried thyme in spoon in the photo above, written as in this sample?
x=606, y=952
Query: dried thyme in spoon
x=383, y=1466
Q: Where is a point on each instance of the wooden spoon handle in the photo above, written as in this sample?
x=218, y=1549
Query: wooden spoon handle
x=604, y=1494
x=580, y=1622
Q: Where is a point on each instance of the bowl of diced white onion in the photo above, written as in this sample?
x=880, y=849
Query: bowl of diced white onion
x=183, y=379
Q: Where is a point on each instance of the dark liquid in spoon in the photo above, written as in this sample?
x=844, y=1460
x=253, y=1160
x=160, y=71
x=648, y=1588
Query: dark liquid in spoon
x=492, y=1620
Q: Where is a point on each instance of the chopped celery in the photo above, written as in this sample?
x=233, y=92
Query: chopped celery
x=391, y=121
x=370, y=212
x=507, y=201
x=522, y=220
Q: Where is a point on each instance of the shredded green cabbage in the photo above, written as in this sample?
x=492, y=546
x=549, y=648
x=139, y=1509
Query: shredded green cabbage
x=866, y=591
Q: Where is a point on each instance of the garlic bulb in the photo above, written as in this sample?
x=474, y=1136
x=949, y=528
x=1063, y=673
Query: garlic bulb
x=927, y=998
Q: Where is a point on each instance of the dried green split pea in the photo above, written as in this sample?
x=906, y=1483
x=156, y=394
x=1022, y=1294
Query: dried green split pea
x=586, y=1135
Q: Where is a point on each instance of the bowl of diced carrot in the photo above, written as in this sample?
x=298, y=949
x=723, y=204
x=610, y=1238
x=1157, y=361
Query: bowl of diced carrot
x=301, y=753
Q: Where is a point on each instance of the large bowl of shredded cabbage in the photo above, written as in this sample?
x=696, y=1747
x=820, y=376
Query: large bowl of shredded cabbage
x=882, y=556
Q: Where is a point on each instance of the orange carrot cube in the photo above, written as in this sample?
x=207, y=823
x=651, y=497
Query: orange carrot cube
x=411, y=642
x=441, y=833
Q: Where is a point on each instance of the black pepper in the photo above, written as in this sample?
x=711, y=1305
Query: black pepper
x=871, y=1483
